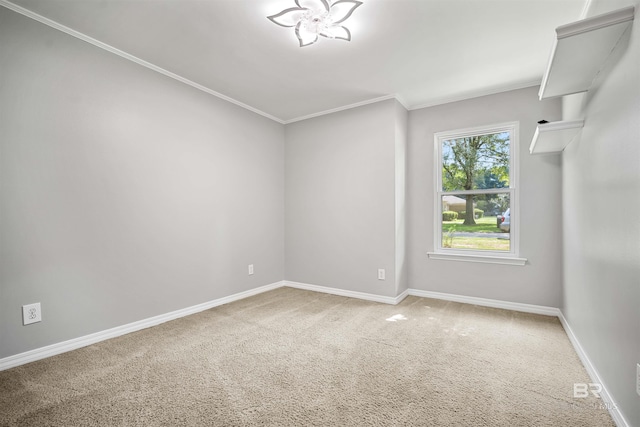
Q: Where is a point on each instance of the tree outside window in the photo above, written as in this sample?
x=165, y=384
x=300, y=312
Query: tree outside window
x=476, y=189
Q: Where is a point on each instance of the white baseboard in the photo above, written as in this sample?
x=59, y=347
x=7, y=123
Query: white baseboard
x=485, y=302
x=65, y=346
x=345, y=293
x=75, y=343
x=402, y=296
x=610, y=404
x=62, y=347
x=608, y=401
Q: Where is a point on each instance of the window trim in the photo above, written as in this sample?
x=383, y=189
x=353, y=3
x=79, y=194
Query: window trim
x=500, y=257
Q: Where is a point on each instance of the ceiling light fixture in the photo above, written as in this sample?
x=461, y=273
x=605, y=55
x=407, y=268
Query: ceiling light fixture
x=315, y=18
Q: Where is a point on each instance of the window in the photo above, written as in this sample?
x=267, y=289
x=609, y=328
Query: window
x=476, y=215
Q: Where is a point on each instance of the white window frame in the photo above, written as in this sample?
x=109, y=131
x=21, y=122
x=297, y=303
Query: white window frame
x=485, y=256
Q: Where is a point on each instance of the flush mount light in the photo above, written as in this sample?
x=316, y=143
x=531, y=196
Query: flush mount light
x=315, y=18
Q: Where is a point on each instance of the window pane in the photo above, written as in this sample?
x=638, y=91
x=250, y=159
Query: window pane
x=476, y=162
x=488, y=228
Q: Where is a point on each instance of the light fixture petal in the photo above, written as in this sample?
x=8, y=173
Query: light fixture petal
x=342, y=9
x=315, y=5
x=288, y=17
x=305, y=37
x=337, y=32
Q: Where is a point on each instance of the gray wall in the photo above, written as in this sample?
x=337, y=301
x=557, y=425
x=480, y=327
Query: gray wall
x=539, y=281
x=340, y=204
x=601, y=187
x=401, y=142
x=125, y=194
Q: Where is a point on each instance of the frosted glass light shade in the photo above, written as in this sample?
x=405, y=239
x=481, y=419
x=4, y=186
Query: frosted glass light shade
x=314, y=18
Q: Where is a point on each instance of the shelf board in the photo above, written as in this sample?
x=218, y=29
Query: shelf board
x=555, y=136
x=580, y=50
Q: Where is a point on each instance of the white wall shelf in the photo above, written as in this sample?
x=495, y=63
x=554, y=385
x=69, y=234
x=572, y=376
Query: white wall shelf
x=553, y=137
x=580, y=50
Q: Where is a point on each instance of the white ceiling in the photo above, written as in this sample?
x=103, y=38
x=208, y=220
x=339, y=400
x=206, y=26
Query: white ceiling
x=425, y=52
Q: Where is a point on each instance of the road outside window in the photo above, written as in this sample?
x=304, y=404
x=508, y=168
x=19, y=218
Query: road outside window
x=476, y=190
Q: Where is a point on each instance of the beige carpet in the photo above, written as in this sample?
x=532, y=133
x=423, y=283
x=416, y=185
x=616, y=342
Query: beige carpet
x=297, y=358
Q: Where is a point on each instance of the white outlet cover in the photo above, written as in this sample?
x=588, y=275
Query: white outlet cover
x=250, y=269
x=638, y=378
x=31, y=313
x=381, y=274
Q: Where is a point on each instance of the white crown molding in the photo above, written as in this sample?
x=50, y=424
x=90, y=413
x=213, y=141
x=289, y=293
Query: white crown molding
x=485, y=302
x=477, y=94
x=56, y=25
x=610, y=404
x=81, y=36
x=402, y=101
x=344, y=107
x=73, y=344
x=350, y=106
x=433, y=103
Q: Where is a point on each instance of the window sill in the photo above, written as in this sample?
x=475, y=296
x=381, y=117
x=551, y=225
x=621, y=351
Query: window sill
x=485, y=259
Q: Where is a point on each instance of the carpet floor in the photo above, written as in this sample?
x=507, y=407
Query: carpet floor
x=297, y=358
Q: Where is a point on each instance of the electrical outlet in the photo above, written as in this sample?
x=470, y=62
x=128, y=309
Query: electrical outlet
x=638, y=379
x=381, y=274
x=250, y=269
x=31, y=313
